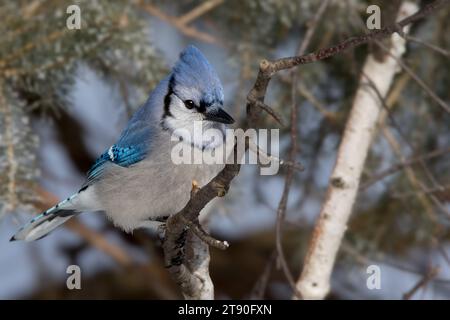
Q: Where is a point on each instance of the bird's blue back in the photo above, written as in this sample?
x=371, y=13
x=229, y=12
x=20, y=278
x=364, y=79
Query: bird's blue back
x=192, y=71
x=134, y=144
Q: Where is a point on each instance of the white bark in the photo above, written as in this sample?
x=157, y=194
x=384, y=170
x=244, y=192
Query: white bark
x=314, y=281
x=197, y=264
x=188, y=264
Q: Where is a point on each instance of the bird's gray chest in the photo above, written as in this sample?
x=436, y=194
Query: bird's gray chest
x=154, y=187
x=170, y=183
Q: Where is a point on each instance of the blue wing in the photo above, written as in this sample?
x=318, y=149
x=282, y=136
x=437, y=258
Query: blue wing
x=132, y=147
x=122, y=156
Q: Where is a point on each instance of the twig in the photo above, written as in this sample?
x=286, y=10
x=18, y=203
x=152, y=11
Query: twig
x=15, y=72
x=402, y=165
x=432, y=273
x=433, y=47
x=260, y=286
x=220, y=184
x=396, y=147
x=424, y=191
x=269, y=110
x=31, y=45
x=268, y=157
x=182, y=27
x=349, y=249
x=287, y=63
x=205, y=237
x=419, y=81
x=281, y=211
x=329, y=115
x=198, y=11
x=314, y=282
x=410, y=173
x=190, y=269
x=187, y=260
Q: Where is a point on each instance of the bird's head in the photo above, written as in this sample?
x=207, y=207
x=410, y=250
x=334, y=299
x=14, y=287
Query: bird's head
x=194, y=94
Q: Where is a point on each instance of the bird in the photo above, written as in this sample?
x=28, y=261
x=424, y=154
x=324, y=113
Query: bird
x=135, y=182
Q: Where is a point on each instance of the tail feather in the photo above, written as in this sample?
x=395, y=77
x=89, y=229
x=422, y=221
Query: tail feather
x=47, y=221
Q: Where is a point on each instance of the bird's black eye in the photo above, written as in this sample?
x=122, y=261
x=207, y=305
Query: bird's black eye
x=189, y=104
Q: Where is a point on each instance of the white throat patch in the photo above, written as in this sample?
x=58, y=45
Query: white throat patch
x=190, y=126
x=201, y=134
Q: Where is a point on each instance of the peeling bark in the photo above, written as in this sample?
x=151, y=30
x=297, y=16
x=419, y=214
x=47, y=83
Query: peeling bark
x=314, y=282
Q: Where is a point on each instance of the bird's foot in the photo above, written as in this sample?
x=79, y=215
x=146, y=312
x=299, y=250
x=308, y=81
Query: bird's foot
x=220, y=189
x=195, y=187
x=180, y=242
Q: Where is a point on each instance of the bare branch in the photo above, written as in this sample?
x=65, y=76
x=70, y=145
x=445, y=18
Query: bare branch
x=432, y=273
x=287, y=63
x=198, y=11
x=419, y=81
x=424, y=191
x=269, y=110
x=260, y=286
x=190, y=269
x=268, y=157
x=177, y=23
x=180, y=267
x=281, y=211
x=433, y=47
x=197, y=229
x=400, y=166
x=314, y=282
x=410, y=174
x=396, y=147
x=187, y=259
x=329, y=115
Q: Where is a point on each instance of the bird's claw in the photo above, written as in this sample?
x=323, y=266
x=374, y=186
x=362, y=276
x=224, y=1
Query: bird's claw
x=195, y=187
x=221, y=190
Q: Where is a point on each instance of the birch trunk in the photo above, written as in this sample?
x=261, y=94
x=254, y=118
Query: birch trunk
x=314, y=281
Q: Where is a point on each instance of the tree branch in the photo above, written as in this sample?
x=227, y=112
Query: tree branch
x=198, y=11
x=430, y=275
x=181, y=24
x=191, y=271
x=287, y=63
x=431, y=46
x=402, y=165
x=314, y=282
x=281, y=211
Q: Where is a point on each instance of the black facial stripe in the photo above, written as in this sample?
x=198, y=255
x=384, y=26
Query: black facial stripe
x=168, y=98
x=202, y=107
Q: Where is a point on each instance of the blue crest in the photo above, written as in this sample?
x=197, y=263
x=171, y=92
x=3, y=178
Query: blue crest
x=193, y=70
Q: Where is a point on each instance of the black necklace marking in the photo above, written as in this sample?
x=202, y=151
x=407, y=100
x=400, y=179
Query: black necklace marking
x=167, y=98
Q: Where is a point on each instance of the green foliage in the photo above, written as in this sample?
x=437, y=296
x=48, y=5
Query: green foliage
x=39, y=57
x=18, y=169
x=41, y=53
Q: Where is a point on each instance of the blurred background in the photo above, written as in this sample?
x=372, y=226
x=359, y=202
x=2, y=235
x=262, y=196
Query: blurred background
x=65, y=96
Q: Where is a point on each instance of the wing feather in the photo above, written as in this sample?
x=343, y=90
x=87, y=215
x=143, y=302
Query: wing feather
x=133, y=146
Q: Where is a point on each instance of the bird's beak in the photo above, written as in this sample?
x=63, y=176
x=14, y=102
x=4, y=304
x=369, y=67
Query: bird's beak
x=218, y=115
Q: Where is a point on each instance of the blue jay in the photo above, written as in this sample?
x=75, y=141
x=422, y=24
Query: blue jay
x=134, y=181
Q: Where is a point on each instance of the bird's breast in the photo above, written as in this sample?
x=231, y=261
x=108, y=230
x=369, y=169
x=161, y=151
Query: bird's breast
x=154, y=187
